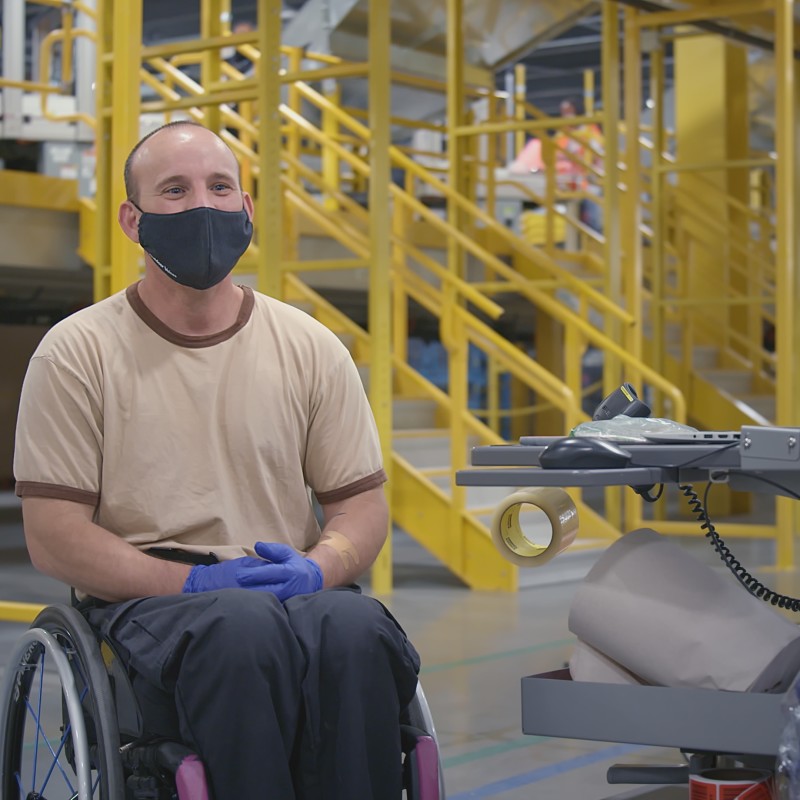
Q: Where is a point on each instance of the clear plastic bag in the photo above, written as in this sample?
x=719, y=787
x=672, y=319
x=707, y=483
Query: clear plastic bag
x=630, y=429
x=787, y=765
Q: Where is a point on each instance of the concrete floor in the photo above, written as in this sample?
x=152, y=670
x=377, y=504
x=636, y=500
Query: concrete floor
x=475, y=648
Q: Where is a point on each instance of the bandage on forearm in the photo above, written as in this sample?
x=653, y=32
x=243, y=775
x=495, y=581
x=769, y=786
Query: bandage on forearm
x=343, y=546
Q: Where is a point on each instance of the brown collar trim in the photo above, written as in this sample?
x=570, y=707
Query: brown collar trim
x=181, y=339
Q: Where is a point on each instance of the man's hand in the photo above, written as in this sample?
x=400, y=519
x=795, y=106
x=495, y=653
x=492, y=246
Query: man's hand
x=288, y=574
x=280, y=570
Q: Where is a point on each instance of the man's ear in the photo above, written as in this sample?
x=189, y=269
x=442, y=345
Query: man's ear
x=247, y=203
x=128, y=218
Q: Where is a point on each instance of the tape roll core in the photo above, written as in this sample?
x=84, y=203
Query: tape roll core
x=507, y=533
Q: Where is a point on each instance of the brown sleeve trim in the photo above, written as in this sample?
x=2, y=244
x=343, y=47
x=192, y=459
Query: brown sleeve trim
x=57, y=492
x=362, y=485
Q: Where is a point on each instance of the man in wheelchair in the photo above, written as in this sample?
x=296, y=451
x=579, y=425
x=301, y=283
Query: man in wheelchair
x=167, y=440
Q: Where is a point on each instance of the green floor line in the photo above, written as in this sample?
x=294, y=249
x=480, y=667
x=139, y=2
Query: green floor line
x=523, y=651
x=494, y=750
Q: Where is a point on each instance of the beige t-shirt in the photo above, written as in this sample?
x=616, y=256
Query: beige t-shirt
x=207, y=443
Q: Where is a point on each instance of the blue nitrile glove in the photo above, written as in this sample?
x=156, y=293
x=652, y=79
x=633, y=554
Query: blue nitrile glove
x=224, y=575
x=287, y=573
x=280, y=570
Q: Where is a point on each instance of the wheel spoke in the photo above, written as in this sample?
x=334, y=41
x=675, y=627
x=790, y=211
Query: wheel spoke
x=38, y=716
x=74, y=714
x=57, y=761
x=34, y=710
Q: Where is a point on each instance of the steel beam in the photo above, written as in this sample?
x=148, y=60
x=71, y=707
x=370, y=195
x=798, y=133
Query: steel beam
x=380, y=328
x=268, y=208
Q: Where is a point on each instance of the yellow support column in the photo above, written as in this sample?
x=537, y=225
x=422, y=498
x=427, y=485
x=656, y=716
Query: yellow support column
x=787, y=290
x=211, y=23
x=520, y=94
x=126, y=39
x=102, y=222
x=380, y=306
x=268, y=204
x=657, y=247
x=619, y=275
x=625, y=274
x=455, y=345
x=548, y=334
x=711, y=126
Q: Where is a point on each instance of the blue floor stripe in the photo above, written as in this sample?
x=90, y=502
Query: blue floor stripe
x=550, y=771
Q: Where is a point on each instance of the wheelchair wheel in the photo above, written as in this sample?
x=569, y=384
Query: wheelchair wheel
x=60, y=731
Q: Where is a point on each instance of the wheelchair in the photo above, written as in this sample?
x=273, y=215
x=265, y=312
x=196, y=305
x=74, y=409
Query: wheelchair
x=72, y=730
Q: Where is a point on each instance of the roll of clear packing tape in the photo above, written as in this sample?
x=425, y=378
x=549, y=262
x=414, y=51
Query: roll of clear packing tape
x=511, y=541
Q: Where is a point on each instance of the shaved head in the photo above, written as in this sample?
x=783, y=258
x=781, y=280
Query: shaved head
x=139, y=153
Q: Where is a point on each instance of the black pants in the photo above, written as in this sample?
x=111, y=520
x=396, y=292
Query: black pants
x=299, y=700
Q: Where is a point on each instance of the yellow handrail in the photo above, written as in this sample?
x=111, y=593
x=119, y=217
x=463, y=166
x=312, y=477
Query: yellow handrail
x=401, y=160
x=524, y=287
x=44, y=69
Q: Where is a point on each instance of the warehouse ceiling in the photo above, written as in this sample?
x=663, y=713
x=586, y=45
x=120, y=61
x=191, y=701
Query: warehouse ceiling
x=555, y=63
x=555, y=66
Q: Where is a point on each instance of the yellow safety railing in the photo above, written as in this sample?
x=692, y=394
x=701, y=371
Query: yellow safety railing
x=540, y=293
x=681, y=243
x=505, y=358
x=746, y=263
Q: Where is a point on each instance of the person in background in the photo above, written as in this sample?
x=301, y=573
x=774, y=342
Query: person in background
x=167, y=443
x=576, y=148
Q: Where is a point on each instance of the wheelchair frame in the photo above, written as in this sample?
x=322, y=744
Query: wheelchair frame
x=99, y=737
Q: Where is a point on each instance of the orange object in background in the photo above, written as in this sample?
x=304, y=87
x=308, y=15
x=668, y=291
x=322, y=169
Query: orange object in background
x=529, y=159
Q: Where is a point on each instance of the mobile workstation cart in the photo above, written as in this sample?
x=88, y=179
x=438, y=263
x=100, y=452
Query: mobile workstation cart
x=759, y=459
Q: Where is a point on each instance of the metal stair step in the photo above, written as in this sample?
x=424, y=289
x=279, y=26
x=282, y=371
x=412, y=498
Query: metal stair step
x=762, y=404
x=704, y=356
x=734, y=381
x=479, y=498
x=413, y=412
x=427, y=448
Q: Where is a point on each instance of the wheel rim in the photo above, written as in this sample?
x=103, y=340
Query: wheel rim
x=39, y=758
x=47, y=754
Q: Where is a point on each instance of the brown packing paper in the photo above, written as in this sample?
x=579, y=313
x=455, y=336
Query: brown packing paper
x=585, y=660
x=660, y=614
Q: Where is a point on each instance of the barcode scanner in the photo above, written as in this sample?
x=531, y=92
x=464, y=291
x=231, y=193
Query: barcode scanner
x=622, y=401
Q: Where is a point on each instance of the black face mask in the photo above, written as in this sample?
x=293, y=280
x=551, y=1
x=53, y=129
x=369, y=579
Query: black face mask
x=198, y=247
